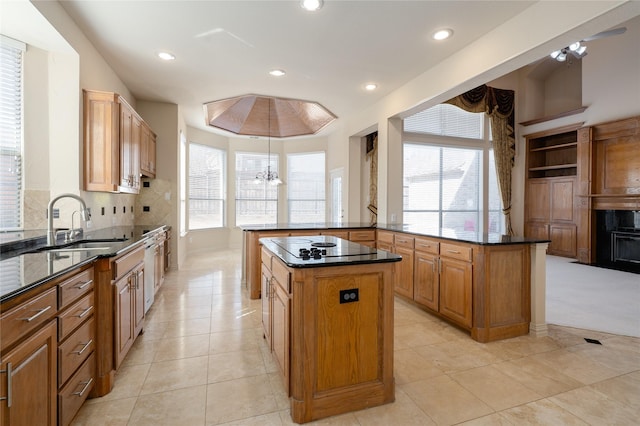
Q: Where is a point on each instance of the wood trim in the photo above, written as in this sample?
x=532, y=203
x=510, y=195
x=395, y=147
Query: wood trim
x=554, y=131
x=554, y=116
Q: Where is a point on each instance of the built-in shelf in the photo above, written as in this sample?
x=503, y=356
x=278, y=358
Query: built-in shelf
x=557, y=167
x=554, y=116
x=559, y=146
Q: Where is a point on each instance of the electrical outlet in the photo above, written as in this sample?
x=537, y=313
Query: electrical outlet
x=348, y=296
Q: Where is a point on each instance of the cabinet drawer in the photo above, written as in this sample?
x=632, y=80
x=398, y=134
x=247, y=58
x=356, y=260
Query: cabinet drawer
x=282, y=275
x=21, y=320
x=428, y=246
x=75, y=350
x=403, y=240
x=75, y=287
x=385, y=237
x=266, y=256
x=339, y=234
x=124, y=264
x=456, y=251
x=71, y=318
x=362, y=235
x=71, y=397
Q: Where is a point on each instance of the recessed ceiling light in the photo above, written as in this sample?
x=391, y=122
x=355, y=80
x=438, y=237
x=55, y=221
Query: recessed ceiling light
x=370, y=86
x=442, y=34
x=166, y=56
x=311, y=5
x=277, y=73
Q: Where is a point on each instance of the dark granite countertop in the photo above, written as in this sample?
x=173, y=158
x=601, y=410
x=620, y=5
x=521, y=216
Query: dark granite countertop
x=422, y=230
x=338, y=252
x=21, y=270
x=304, y=226
x=462, y=236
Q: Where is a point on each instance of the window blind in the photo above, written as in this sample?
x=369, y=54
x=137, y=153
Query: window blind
x=446, y=120
x=306, y=187
x=256, y=203
x=206, y=187
x=10, y=133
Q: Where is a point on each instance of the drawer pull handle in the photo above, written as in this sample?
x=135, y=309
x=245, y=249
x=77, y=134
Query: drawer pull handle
x=8, y=397
x=83, y=285
x=84, y=389
x=86, y=345
x=453, y=251
x=85, y=312
x=40, y=312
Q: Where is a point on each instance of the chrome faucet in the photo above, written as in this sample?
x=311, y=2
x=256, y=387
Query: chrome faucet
x=84, y=215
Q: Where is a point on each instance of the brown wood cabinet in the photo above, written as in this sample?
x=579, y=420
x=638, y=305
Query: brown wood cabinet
x=551, y=188
x=252, y=268
x=48, y=342
x=147, y=152
x=159, y=261
x=482, y=288
x=76, y=343
x=455, y=290
x=130, y=134
x=333, y=357
x=129, y=310
x=29, y=384
x=113, y=137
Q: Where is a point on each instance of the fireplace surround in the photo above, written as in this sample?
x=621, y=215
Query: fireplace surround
x=618, y=239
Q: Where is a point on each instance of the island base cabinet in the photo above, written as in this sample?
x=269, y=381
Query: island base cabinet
x=341, y=353
x=28, y=386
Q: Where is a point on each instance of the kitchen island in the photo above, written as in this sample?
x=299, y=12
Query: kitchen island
x=328, y=320
x=361, y=233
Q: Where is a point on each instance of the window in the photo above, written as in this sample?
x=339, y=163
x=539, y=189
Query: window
x=183, y=184
x=256, y=203
x=11, y=133
x=306, y=187
x=447, y=184
x=206, y=187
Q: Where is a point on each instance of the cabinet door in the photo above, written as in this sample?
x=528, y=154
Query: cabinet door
x=144, y=150
x=101, y=142
x=562, y=200
x=455, y=290
x=267, y=297
x=124, y=320
x=152, y=154
x=537, y=230
x=404, y=272
x=280, y=332
x=563, y=240
x=537, y=200
x=159, y=266
x=130, y=128
x=138, y=302
x=426, y=285
x=29, y=381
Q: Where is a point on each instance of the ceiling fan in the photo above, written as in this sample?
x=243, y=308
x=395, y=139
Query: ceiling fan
x=579, y=50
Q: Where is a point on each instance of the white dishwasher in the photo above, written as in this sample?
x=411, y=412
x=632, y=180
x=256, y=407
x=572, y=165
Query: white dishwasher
x=149, y=272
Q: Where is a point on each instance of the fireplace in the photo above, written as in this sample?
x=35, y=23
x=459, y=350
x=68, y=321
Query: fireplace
x=618, y=239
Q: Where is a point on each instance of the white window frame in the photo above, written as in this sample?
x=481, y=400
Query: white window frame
x=485, y=146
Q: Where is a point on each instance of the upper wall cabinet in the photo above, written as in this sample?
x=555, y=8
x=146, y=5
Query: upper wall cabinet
x=148, y=152
x=114, y=135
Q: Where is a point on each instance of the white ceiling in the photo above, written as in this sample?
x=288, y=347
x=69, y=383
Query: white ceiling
x=226, y=48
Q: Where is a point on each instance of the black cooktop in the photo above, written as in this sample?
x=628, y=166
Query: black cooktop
x=317, y=247
x=324, y=250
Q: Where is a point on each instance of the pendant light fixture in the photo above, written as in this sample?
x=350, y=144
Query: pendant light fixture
x=268, y=176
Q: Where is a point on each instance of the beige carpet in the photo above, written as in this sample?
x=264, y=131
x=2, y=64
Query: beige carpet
x=592, y=298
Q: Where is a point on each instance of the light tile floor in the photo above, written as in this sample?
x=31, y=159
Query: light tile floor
x=202, y=361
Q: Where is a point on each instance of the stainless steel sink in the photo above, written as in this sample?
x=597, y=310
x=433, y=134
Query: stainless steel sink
x=82, y=245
